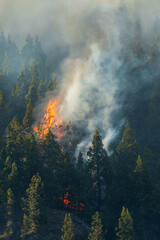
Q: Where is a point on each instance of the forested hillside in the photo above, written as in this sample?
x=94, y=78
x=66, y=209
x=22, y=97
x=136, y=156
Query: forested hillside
x=37, y=175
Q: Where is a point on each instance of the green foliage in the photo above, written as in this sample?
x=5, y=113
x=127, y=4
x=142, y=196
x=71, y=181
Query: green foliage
x=125, y=228
x=98, y=167
x=41, y=89
x=67, y=229
x=96, y=228
x=52, y=151
x=128, y=144
x=28, y=118
x=139, y=165
x=10, y=212
x=32, y=205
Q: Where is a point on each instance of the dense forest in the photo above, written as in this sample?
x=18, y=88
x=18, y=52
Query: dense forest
x=118, y=195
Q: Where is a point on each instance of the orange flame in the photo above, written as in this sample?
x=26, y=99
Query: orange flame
x=76, y=205
x=50, y=120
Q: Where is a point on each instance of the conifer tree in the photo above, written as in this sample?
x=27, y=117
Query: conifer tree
x=10, y=212
x=28, y=118
x=27, y=50
x=139, y=165
x=32, y=205
x=2, y=47
x=6, y=64
x=128, y=144
x=41, y=89
x=14, y=129
x=80, y=161
x=125, y=230
x=97, y=162
x=67, y=229
x=3, y=107
x=32, y=91
x=96, y=228
x=52, y=151
x=2, y=80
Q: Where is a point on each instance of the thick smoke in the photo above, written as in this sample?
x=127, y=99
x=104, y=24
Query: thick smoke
x=108, y=42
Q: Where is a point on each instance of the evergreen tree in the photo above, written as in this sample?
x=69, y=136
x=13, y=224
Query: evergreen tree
x=52, y=151
x=139, y=165
x=32, y=205
x=97, y=162
x=27, y=50
x=125, y=230
x=3, y=112
x=28, y=118
x=53, y=83
x=96, y=228
x=41, y=89
x=15, y=138
x=2, y=47
x=39, y=54
x=67, y=229
x=128, y=144
x=80, y=162
x=2, y=80
x=32, y=91
x=10, y=212
x=6, y=64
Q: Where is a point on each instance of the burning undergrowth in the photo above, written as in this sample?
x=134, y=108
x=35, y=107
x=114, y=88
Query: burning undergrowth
x=67, y=134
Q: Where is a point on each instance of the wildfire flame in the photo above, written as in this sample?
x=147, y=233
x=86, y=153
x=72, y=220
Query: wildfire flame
x=76, y=205
x=50, y=120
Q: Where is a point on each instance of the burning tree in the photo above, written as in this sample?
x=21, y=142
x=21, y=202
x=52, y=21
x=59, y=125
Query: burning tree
x=51, y=120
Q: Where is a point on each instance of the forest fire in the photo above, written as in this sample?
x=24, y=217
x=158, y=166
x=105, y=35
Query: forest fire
x=50, y=120
x=67, y=203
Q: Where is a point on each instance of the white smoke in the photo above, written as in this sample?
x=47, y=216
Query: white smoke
x=100, y=35
x=89, y=93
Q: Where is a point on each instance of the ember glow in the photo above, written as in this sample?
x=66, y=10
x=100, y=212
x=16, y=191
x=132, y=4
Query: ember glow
x=51, y=120
x=67, y=203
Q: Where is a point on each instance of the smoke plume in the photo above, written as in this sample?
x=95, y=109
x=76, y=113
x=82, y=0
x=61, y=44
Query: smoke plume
x=109, y=44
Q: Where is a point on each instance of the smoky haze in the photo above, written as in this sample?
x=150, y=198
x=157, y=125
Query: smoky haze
x=107, y=40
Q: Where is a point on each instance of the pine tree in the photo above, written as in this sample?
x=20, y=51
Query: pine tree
x=53, y=83
x=28, y=119
x=10, y=212
x=6, y=64
x=2, y=47
x=3, y=107
x=14, y=129
x=41, y=89
x=128, y=144
x=139, y=165
x=12, y=177
x=67, y=229
x=32, y=205
x=80, y=162
x=32, y=91
x=97, y=162
x=2, y=80
x=96, y=228
x=27, y=50
x=52, y=151
x=125, y=230
x=39, y=54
